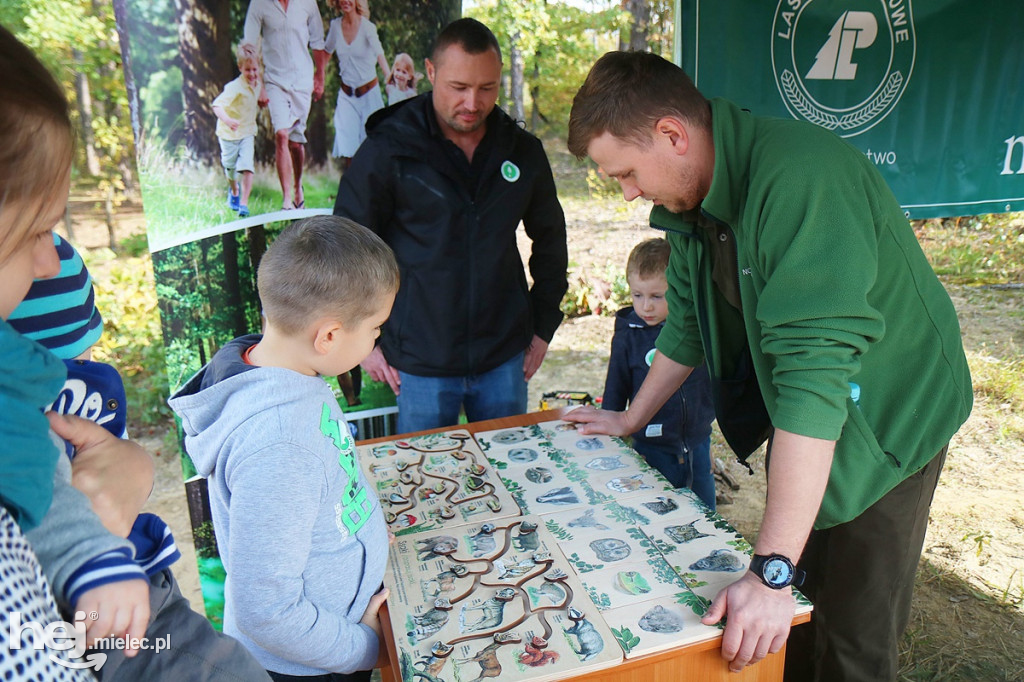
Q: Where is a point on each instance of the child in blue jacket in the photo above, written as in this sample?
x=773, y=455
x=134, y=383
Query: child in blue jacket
x=677, y=440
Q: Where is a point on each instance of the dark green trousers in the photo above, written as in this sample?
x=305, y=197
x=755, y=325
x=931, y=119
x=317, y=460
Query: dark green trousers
x=860, y=577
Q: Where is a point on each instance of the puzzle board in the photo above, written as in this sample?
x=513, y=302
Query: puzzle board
x=551, y=467
x=495, y=600
x=652, y=564
x=433, y=481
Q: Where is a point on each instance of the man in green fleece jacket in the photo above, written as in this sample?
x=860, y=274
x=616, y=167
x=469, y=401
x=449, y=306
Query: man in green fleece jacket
x=796, y=276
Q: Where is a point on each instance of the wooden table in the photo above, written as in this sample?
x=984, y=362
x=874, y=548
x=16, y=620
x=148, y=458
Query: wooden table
x=700, y=661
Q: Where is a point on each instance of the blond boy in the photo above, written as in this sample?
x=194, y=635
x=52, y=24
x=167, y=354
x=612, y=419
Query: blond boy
x=236, y=108
x=301, y=534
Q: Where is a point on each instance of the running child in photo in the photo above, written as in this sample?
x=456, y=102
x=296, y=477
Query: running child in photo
x=236, y=108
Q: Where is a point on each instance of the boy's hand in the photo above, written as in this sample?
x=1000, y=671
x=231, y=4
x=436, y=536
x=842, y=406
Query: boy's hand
x=233, y=124
x=262, y=99
x=115, y=474
x=121, y=610
x=370, y=618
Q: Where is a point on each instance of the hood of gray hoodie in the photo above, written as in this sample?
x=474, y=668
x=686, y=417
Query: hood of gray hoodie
x=225, y=399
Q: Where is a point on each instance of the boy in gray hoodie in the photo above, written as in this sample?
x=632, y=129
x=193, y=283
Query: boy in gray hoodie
x=300, y=532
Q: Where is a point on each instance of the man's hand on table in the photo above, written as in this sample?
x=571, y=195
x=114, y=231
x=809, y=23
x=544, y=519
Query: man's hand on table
x=591, y=420
x=758, y=621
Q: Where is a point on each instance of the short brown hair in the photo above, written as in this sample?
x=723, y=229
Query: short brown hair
x=325, y=265
x=469, y=34
x=626, y=93
x=35, y=137
x=649, y=258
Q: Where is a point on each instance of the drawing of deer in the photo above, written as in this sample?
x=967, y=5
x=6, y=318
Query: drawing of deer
x=487, y=659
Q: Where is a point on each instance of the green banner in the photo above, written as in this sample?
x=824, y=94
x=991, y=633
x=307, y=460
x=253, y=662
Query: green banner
x=932, y=92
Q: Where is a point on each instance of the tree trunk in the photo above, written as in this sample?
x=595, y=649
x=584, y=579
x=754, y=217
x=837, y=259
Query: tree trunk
x=84, y=97
x=635, y=37
x=108, y=214
x=204, y=42
x=121, y=18
x=535, y=115
x=232, y=287
x=515, y=57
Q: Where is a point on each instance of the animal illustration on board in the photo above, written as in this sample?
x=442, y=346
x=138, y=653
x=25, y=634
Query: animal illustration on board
x=427, y=482
x=494, y=614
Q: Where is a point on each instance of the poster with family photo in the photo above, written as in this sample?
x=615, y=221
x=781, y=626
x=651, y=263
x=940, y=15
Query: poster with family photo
x=245, y=112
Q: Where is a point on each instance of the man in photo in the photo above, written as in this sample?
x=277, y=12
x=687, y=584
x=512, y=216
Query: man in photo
x=285, y=31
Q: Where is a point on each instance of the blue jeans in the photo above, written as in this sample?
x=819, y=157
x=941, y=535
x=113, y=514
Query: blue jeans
x=433, y=402
x=703, y=482
x=694, y=472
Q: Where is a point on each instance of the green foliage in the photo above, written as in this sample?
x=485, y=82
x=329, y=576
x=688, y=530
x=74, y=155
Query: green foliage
x=515, y=490
x=211, y=578
x=1001, y=380
x=625, y=514
x=664, y=572
x=559, y=43
x=692, y=580
x=557, y=530
x=740, y=544
x=801, y=599
x=698, y=604
x=601, y=187
x=78, y=38
x=601, y=600
x=979, y=539
x=131, y=339
x=581, y=565
x=205, y=540
x=602, y=294
x=975, y=250
x=719, y=522
x=626, y=639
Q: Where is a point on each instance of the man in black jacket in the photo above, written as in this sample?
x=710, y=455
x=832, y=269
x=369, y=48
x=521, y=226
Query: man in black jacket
x=445, y=179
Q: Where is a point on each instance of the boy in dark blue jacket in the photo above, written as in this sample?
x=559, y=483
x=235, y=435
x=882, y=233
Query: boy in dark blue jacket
x=677, y=440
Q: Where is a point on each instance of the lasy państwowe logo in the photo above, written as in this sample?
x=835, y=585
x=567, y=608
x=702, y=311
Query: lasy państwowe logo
x=843, y=64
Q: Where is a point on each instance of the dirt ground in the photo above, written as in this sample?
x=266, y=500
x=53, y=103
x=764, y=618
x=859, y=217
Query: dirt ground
x=968, y=613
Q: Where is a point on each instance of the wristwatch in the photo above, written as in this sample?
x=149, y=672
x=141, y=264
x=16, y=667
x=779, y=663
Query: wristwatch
x=776, y=571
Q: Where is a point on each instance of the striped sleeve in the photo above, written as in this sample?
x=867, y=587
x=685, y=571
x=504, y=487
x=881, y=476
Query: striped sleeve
x=113, y=567
x=154, y=544
x=60, y=312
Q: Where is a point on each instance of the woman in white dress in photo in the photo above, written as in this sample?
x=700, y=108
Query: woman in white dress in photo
x=352, y=38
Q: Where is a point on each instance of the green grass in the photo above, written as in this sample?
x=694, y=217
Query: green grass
x=182, y=199
x=976, y=250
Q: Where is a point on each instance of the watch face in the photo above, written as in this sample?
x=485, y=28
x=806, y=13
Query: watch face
x=777, y=572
